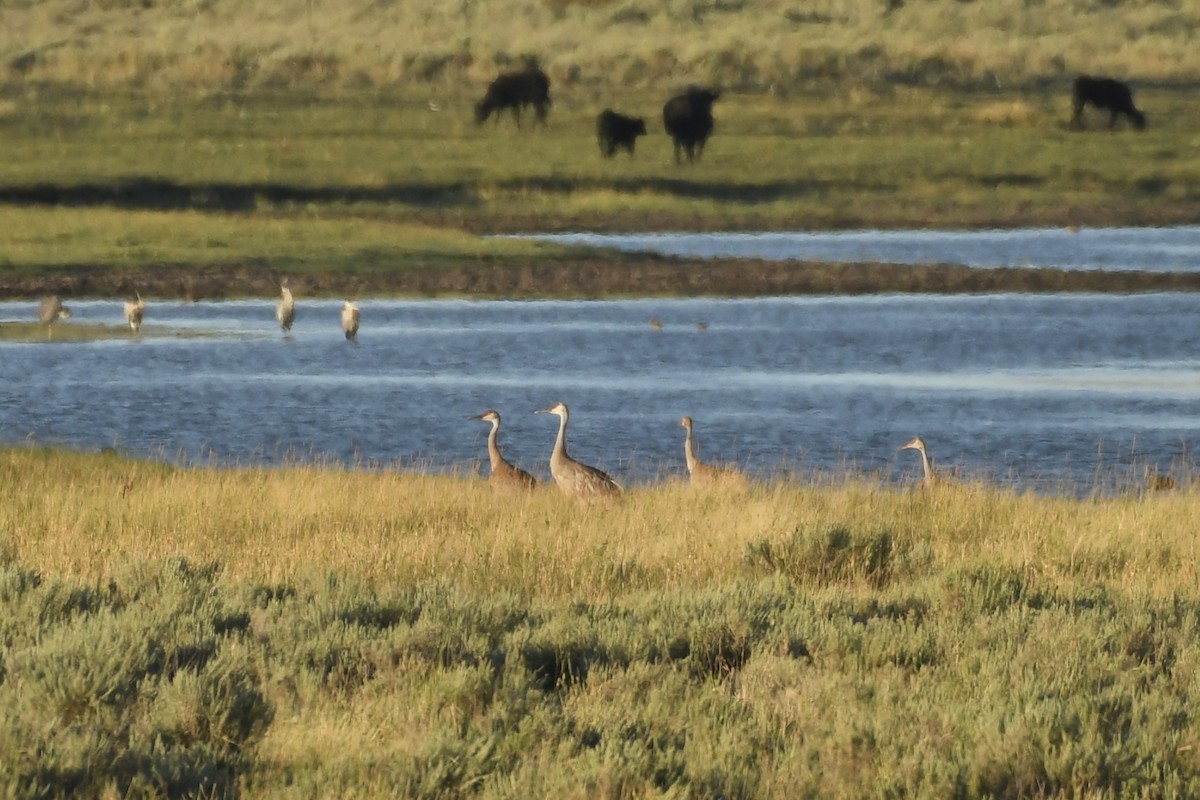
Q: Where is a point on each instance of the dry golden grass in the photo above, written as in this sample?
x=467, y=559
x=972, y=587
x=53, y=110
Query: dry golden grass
x=776, y=44
x=1008, y=112
x=372, y=634
x=85, y=516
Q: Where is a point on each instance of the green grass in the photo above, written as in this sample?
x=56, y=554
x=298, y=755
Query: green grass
x=179, y=147
x=357, y=189
x=903, y=157
x=41, y=240
x=329, y=632
x=63, y=332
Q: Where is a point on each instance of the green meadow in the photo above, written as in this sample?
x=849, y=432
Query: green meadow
x=377, y=193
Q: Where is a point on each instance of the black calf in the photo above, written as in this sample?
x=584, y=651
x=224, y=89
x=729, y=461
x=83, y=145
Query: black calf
x=615, y=131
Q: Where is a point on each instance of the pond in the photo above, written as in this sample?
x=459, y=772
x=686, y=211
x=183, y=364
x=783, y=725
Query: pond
x=1174, y=249
x=1056, y=393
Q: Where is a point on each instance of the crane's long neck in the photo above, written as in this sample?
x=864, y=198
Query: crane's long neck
x=494, y=448
x=560, y=444
x=926, y=465
x=689, y=451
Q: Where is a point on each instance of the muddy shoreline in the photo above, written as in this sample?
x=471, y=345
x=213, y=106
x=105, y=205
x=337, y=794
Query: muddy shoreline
x=600, y=277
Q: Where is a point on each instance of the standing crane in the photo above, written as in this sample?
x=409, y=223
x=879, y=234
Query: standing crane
x=930, y=477
x=573, y=477
x=51, y=311
x=285, y=310
x=134, y=309
x=503, y=473
x=697, y=469
x=350, y=320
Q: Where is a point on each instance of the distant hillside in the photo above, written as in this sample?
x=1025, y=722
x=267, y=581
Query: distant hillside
x=747, y=45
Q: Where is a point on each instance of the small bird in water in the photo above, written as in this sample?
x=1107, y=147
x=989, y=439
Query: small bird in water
x=134, y=309
x=285, y=310
x=350, y=320
x=51, y=311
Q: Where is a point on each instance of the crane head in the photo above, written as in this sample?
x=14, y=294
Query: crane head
x=558, y=408
x=917, y=443
x=488, y=416
x=686, y=422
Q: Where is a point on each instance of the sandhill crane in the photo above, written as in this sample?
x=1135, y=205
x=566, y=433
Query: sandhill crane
x=571, y=476
x=697, y=469
x=1155, y=481
x=134, y=309
x=918, y=444
x=51, y=311
x=285, y=311
x=350, y=320
x=503, y=473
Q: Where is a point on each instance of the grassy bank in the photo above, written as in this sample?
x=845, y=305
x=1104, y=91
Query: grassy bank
x=904, y=157
x=339, y=633
x=375, y=192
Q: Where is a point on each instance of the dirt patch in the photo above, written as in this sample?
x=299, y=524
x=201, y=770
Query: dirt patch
x=594, y=278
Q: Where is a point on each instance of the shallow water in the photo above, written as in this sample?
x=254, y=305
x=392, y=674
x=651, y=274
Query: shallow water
x=1174, y=249
x=1032, y=391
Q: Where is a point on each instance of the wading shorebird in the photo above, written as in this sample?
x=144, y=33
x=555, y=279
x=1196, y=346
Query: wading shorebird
x=285, y=310
x=930, y=477
x=698, y=471
x=504, y=474
x=573, y=477
x=51, y=311
x=350, y=320
x=134, y=309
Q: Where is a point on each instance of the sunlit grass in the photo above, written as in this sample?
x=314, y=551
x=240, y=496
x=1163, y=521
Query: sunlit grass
x=37, y=239
x=295, y=181
x=764, y=45
x=62, y=332
x=319, y=630
x=393, y=524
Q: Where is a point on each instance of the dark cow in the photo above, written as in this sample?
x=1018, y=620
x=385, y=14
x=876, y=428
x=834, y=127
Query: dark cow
x=515, y=90
x=614, y=131
x=688, y=120
x=1105, y=93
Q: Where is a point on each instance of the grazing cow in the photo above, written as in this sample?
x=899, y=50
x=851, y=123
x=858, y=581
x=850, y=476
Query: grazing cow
x=688, y=120
x=614, y=131
x=1105, y=93
x=515, y=90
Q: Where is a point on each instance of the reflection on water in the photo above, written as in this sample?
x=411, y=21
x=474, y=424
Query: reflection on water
x=1139, y=249
x=1041, y=391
